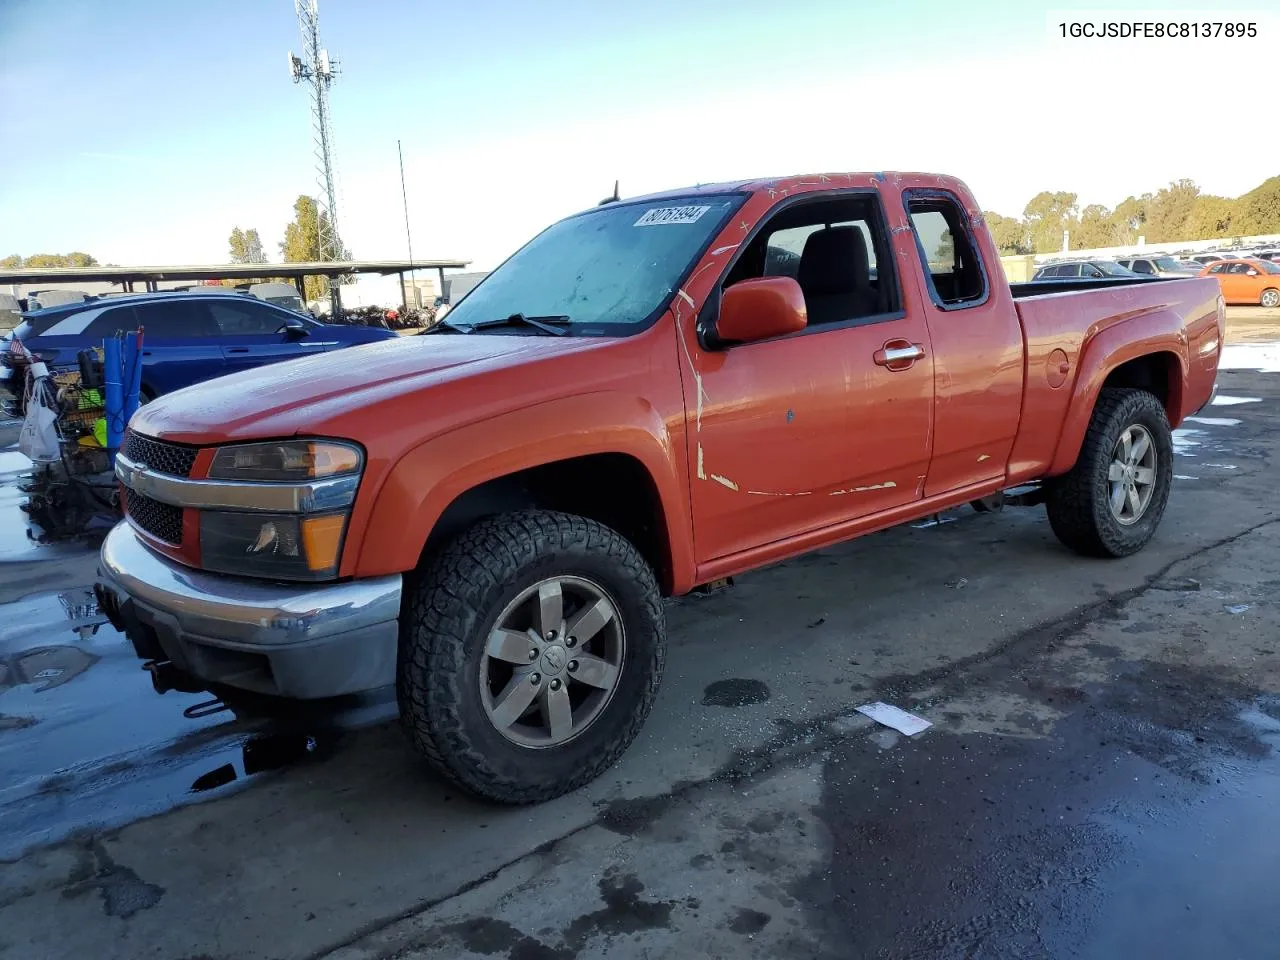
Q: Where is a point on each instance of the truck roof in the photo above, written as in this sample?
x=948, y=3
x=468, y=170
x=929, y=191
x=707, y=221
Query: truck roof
x=832, y=180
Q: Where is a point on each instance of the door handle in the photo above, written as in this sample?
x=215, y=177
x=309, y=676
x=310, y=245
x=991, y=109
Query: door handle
x=898, y=354
x=237, y=349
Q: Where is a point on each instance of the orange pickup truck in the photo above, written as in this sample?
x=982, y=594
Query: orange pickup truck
x=481, y=521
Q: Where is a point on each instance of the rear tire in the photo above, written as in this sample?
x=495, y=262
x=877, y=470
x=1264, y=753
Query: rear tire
x=1081, y=504
x=476, y=611
x=1270, y=298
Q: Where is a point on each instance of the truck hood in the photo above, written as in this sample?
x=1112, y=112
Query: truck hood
x=282, y=399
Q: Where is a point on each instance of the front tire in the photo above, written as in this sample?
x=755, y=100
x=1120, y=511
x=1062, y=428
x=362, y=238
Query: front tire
x=1270, y=298
x=531, y=649
x=1111, y=501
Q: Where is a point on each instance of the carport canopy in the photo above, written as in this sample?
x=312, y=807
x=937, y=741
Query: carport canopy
x=128, y=276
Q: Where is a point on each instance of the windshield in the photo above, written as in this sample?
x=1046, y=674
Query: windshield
x=1112, y=269
x=611, y=266
x=1266, y=266
x=1168, y=263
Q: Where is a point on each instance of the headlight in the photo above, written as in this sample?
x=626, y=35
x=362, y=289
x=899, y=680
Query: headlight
x=286, y=460
x=280, y=546
x=284, y=513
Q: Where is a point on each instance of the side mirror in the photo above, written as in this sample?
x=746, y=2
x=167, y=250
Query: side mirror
x=759, y=309
x=1252, y=273
x=295, y=329
x=1095, y=273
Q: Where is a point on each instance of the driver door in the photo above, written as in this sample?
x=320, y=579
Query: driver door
x=804, y=431
x=253, y=334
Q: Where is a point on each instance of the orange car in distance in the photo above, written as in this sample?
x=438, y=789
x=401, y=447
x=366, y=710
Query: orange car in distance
x=1247, y=281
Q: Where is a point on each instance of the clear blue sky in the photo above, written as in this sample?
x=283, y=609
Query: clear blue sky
x=143, y=130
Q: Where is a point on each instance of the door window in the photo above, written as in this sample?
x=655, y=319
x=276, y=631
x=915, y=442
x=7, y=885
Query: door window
x=1142, y=266
x=947, y=249
x=834, y=249
x=111, y=322
x=176, y=320
x=240, y=319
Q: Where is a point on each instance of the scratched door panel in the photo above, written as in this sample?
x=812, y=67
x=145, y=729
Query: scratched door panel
x=804, y=432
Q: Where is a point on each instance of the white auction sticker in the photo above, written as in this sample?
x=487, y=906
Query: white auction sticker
x=661, y=215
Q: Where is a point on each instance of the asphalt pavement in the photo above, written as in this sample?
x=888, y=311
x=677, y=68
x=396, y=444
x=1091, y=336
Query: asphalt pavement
x=1098, y=780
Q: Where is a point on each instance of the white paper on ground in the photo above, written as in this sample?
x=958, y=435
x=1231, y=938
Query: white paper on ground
x=891, y=716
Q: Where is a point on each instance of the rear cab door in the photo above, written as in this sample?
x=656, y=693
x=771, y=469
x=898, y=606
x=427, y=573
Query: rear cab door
x=977, y=337
x=826, y=425
x=252, y=333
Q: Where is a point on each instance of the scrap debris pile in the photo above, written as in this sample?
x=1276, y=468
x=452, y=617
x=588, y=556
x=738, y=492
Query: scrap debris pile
x=390, y=319
x=73, y=422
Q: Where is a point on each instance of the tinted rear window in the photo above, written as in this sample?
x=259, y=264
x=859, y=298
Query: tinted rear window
x=38, y=322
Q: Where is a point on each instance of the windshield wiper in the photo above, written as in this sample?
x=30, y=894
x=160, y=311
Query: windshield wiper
x=542, y=323
x=442, y=325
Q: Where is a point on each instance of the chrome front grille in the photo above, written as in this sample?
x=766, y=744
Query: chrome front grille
x=170, y=458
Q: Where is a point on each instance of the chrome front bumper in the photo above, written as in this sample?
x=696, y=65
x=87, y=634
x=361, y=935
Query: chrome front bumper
x=303, y=641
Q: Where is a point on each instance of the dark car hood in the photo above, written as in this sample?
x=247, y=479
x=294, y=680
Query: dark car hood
x=283, y=399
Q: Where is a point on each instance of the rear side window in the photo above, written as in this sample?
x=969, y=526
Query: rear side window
x=176, y=320
x=947, y=249
x=1218, y=268
x=239, y=319
x=111, y=322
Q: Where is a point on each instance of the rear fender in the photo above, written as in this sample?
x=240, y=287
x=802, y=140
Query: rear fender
x=1161, y=331
x=423, y=483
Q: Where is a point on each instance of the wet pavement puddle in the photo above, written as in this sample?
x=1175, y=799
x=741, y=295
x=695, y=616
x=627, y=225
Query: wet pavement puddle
x=85, y=741
x=1141, y=825
x=15, y=543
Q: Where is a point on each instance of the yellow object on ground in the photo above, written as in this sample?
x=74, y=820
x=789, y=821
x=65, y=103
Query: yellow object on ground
x=100, y=431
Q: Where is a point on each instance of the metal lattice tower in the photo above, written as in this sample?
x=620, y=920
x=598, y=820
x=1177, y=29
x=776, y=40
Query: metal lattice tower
x=316, y=69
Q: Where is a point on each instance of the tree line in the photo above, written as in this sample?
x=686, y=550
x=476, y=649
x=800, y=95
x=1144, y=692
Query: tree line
x=45, y=260
x=301, y=244
x=1173, y=213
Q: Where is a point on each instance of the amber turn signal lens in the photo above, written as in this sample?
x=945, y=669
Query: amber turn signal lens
x=329, y=459
x=322, y=537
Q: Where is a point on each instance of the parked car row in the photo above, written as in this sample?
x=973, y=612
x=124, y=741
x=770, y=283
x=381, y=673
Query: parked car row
x=1159, y=266
x=189, y=337
x=1082, y=270
x=1244, y=280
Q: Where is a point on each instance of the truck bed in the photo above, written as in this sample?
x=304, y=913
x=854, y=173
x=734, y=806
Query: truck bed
x=1063, y=319
x=1037, y=288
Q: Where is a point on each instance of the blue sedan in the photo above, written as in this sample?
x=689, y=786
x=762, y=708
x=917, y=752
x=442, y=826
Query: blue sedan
x=187, y=337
